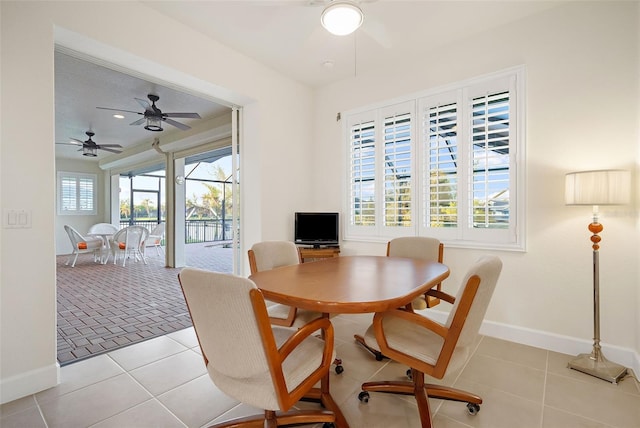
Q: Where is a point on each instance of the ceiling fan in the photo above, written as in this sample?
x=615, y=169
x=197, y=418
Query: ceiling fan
x=90, y=148
x=154, y=117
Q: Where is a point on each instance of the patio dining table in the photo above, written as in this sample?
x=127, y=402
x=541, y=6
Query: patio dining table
x=104, y=231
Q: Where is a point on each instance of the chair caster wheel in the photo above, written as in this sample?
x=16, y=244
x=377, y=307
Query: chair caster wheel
x=328, y=425
x=409, y=374
x=379, y=357
x=363, y=396
x=339, y=369
x=473, y=408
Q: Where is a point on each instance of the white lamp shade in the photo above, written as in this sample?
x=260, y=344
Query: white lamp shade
x=605, y=187
x=341, y=17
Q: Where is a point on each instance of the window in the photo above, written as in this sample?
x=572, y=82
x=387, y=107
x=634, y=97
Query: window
x=444, y=163
x=77, y=193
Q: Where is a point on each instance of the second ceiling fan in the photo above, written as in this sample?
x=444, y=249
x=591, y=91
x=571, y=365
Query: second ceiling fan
x=153, y=116
x=90, y=148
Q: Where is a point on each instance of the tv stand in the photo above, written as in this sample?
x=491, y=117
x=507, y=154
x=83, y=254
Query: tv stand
x=318, y=252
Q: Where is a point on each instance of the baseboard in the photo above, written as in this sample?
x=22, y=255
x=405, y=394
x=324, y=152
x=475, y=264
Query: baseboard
x=552, y=342
x=29, y=383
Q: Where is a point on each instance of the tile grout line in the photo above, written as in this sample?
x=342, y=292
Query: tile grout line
x=544, y=389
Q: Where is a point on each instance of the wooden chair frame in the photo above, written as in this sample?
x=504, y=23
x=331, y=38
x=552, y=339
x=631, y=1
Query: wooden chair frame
x=419, y=368
x=429, y=297
x=275, y=358
x=293, y=311
x=432, y=298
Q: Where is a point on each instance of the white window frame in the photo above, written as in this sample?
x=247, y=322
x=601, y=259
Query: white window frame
x=464, y=235
x=83, y=205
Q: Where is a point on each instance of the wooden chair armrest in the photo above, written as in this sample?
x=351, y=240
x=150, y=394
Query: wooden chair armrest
x=289, y=398
x=438, y=294
x=412, y=317
x=305, y=331
x=276, y=356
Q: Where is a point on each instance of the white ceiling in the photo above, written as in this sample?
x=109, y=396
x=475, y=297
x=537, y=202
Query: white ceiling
x=81, y=86
x=283, y=34
x=287, y=35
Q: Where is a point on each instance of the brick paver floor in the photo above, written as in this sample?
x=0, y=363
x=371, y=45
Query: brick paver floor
x=105, y=307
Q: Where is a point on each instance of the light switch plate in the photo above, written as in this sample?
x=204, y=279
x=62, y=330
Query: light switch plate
x=16, y=219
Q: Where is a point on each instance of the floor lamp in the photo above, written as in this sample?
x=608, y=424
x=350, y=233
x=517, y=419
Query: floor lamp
x=605, y=187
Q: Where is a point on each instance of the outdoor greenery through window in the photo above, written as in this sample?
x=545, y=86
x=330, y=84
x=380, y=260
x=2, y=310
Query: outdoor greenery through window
x=442, y=163
x=208, y=199
x=77, y=193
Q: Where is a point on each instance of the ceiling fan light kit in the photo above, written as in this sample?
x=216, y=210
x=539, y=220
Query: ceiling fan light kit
x=90, y=151
x=153, y=124
x=342, y=17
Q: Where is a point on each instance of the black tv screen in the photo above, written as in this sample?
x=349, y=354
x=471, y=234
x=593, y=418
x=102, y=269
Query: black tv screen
x=316, y=228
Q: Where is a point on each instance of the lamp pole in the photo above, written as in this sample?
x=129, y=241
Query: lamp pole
x=595, y=363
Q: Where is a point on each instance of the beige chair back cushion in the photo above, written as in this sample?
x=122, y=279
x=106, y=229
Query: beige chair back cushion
x=488, y=269
x=222, y=313
x=415, y=247
x=273, y=254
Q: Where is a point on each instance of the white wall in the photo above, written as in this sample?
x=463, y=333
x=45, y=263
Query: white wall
x=81, y=223
x=582, y=113
x=112, y=31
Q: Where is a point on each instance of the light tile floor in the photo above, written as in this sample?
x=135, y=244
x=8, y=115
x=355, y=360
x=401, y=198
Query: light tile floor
x=163, y=383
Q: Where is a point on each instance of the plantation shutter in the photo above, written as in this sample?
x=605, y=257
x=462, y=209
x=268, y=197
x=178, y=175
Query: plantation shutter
x=362, y=171
x=440, y=131
x=490, y=136
x=76, y=193
x=397, y=167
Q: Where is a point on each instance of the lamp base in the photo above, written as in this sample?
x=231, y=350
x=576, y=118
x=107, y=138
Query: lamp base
x=597, y=365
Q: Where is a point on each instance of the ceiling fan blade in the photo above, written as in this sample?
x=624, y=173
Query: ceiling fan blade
x=177, y=124
x=377, y=31
x=144, y=103
x=106, y=149
x=110, y=145
x=183, y=115
x=69, y=144
x=138, y=122
x=119, y=109
x=77, y=141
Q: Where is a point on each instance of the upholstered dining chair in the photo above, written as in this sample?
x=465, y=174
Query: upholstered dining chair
x=264, y=366
x=414, y=247
x=434, y=349
x=82, y=244
x=155, y=238
x=268, y=255
x=129, y=242
x=423, y=248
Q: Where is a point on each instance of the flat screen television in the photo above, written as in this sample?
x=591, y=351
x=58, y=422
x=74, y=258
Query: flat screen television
x=316, y=228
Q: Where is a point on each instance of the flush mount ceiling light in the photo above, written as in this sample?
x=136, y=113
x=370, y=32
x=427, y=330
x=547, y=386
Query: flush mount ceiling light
x=341, y=17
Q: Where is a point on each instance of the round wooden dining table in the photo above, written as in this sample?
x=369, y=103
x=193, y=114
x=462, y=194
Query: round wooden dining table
x=349, y=284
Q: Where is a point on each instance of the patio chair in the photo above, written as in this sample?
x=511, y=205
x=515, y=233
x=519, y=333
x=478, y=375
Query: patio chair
x=82, y=244
x=155, y=238
x=129, y=243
